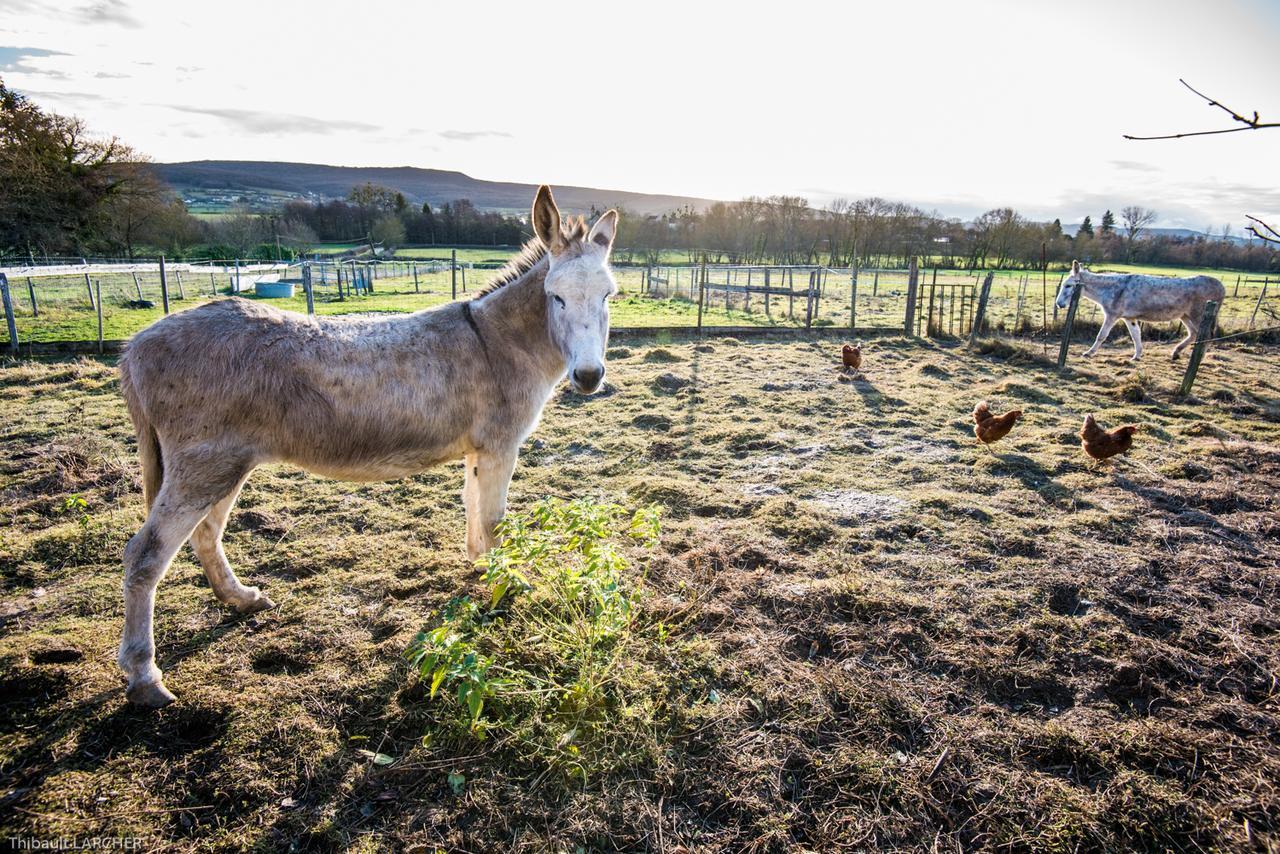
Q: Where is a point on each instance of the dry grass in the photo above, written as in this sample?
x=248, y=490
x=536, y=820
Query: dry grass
x=881, y=635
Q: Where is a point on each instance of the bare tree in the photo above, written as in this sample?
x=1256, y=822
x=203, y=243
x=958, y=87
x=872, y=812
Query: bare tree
x=1136, y=219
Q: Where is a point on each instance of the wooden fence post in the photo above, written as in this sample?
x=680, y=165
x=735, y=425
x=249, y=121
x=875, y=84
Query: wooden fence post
x=1258, y=304
x=933, y=288
x=137, y=287
x=982, y=309
x=1068, y=324
x=1208, y=322
x=853, y=296
x=164, y=286
x=909, y=316
x=306, y=286
x=702, y=290
x=182, y=292
x=8, y=313
x=31, y=292
x=213, y=285
x=808, y=301
x=88, y=287
x=98, y=302
x=415, y=279
x=453, y=270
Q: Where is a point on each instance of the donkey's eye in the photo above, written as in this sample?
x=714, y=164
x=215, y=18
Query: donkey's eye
x=559, y=299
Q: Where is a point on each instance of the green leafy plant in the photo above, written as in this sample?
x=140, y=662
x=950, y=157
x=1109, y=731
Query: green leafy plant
x=76, y=504
x=551, y=657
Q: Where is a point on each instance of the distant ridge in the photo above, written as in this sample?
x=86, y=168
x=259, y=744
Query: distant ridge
x=257, y=178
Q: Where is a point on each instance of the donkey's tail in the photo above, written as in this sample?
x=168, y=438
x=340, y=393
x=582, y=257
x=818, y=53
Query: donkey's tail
x=152, y=464
x=148, y=442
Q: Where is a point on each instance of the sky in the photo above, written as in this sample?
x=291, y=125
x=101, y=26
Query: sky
x=954, y=106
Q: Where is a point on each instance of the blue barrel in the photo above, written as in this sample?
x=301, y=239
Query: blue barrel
x=273, y=290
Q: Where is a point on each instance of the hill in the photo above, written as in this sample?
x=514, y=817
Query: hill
x=220, y=184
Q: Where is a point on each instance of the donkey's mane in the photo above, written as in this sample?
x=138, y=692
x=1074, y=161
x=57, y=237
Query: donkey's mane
x=574, y=232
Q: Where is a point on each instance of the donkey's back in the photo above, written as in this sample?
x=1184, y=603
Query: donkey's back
x=1153, y=298
x=358, y=398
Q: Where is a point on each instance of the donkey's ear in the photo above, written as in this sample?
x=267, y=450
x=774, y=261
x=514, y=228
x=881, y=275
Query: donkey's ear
x=603, y=232
x=1075, y=267
x=546, y=220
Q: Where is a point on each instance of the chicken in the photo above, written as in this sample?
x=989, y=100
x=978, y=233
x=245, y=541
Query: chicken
x=852, y=356
x=1102, y=444
x=990, y=428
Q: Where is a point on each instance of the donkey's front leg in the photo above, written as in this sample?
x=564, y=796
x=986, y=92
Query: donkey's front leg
x=1108, y=323
x=485, y=496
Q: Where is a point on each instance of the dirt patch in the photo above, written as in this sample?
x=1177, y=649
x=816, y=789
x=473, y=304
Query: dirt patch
x=852, y=504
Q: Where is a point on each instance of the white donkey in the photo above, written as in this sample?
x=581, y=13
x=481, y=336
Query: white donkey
x=220, y=389
x=1132, y=297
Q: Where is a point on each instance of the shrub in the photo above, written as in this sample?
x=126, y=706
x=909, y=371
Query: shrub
x=553, y=658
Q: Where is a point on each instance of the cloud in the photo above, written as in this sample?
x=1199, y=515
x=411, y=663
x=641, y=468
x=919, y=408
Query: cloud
x=67, y=97
x=263, y=122
x=471, y=135
x=109, y=12
x=1135, y=166
x=15, y=59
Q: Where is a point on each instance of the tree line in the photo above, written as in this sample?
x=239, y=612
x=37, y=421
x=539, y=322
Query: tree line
x=65, y=191
x=876, y=232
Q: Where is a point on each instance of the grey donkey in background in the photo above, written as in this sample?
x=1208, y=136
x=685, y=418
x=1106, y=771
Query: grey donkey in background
x=1132, y=297
x=217, y=390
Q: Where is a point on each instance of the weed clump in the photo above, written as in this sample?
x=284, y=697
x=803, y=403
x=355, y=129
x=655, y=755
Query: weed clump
x=1134, y=389
x=661, y=355
x=553, y=659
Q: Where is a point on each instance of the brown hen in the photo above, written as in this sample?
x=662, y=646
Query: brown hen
x=990, y=428
x=1103, y=444
x=852, y=356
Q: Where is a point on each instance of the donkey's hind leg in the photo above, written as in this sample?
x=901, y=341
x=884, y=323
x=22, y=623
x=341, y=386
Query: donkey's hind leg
x=193, y=483
x=206, y=541
x=1192, y=324
x=1135, y=332
x=146, y=559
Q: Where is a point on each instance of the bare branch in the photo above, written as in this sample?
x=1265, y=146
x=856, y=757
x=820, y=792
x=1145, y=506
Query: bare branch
x=1212, y=103
x=1274, y=237
x=1249, y=124
x=1258, y=126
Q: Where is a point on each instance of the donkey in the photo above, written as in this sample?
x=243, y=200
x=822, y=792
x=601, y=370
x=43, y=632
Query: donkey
x=217, y=390
x=1134, y=297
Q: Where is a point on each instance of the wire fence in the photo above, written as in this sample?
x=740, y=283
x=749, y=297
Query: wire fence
x=1019, y=303
x=56, y=304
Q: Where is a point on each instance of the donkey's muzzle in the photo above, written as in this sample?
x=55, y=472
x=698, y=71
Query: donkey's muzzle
x=587, y=380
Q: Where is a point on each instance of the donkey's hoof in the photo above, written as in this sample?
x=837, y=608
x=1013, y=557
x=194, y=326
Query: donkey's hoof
x=149, y=695
x=259, y=602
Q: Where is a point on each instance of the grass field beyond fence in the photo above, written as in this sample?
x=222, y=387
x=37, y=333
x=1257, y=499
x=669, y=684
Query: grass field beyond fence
x=1020, y=302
